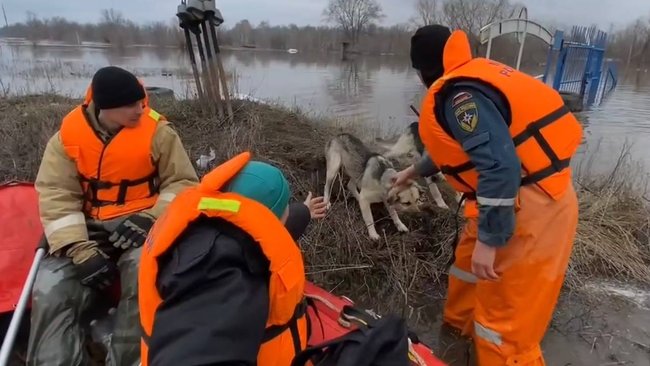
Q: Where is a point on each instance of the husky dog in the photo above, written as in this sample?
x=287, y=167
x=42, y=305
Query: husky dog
x=370, y=181
x=407, y=150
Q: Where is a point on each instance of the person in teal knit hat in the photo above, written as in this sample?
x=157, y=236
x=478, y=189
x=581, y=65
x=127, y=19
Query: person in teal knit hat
x=267, y=185
x=214, y=282
x=263, y=183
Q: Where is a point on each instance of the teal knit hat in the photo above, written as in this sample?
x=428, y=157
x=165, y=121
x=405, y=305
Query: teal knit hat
x=263, y=183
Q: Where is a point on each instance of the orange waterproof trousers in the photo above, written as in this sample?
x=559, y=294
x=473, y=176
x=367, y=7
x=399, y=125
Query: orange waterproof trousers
x=507, y=319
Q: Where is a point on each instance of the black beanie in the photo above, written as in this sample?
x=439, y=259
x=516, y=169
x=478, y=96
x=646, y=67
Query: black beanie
x=114, y=87
x=427, y=46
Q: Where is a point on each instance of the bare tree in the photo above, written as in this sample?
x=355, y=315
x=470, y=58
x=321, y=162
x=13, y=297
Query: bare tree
x=643, y=35
x=353, y=16
x=113, y=27
x=472, y=15
x=112, y=16
x=428, y=12
x=34, y=27
x=243, y=31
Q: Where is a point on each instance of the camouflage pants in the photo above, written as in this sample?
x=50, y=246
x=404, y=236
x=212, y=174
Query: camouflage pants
x=62, y=310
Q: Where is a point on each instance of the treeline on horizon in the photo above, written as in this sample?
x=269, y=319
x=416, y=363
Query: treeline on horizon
x=631, y=44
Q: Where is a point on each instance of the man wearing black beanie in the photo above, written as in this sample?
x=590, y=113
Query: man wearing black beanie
x=427, y=45
x=106, y=175
x=505, y=140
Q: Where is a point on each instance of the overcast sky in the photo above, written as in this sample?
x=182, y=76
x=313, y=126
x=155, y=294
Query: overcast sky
x=301, y=12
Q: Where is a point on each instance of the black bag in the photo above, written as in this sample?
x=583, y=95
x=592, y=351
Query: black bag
x=383, y=343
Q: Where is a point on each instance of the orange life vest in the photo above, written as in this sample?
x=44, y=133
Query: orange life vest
x=117, y=177
x=286, y=326
x=546, y=135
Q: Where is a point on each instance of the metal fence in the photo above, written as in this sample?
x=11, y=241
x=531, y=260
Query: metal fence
x=576, y=65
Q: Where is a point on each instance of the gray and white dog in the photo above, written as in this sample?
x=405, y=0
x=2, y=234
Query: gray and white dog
x=370, y=181
x=409, y=149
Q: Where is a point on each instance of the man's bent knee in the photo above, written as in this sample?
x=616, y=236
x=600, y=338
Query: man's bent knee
x=58, y=299
x=56, y=285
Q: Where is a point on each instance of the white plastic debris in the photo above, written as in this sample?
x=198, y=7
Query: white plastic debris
x=248, y=97
x=203, y=160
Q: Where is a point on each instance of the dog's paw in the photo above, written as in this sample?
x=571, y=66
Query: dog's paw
x=402, y=228
x=374, y=236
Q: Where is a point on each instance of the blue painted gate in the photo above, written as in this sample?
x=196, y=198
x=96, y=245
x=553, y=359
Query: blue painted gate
x=576, y=65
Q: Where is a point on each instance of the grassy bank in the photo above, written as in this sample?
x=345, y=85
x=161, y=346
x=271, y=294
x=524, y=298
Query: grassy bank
x=404, y=270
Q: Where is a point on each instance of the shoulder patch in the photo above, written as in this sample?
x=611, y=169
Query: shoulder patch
x=467, y=116
x=459, y=98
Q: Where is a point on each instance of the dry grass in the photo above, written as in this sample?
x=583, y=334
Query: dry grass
x=613, y=238
x=337, y=250
x=402, y=272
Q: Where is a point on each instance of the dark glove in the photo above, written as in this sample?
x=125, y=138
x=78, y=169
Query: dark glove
x=98, y=233
x=132, y=231
x=97, y=271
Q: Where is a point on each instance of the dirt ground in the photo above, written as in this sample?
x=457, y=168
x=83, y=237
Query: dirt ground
x=605, y=325
x=609, y=329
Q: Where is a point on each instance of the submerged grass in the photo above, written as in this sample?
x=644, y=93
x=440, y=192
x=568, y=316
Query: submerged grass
x=400, y=273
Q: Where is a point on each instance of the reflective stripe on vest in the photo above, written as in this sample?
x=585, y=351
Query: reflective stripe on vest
x=287, y=312
x=117, y=177
x=545, y=134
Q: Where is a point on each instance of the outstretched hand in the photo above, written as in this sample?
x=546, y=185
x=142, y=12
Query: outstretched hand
x=403, y=178
x=317, y=206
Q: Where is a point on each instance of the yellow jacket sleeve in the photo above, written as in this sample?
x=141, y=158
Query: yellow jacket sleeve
x=60, y=197
x=175, y=169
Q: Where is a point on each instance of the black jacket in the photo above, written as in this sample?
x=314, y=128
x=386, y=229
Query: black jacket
x=214, y=287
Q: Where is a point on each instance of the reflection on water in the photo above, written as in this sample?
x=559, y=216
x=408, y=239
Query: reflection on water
x=374, y=92
x=623, y=119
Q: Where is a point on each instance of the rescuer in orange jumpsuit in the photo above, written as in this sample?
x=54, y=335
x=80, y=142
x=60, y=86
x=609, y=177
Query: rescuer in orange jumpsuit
x=505, y=140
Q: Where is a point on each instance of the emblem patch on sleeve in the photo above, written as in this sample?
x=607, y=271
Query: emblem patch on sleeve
x=467, y=116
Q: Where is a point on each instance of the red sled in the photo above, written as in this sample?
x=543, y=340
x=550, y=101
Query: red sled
x=20, y=233
x=333, y=316
x=22, y=246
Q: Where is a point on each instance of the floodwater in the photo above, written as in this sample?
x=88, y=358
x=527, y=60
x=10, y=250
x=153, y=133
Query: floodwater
x=375, y=93
x=372, y=92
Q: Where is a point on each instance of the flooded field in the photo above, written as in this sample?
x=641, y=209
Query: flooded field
x=374, y=92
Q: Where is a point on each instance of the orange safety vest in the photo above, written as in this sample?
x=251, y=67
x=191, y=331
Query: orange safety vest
x=286, y=326
x=545, y=133
x=117, y=177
